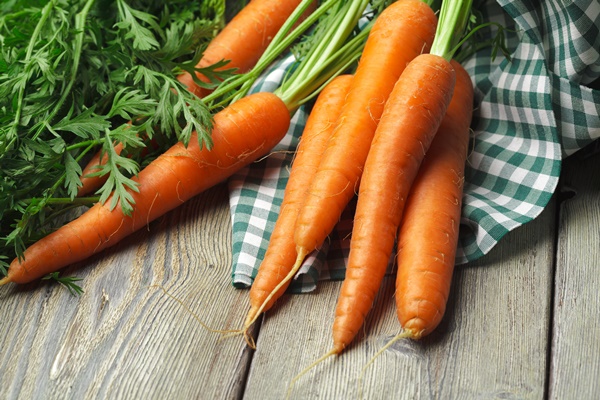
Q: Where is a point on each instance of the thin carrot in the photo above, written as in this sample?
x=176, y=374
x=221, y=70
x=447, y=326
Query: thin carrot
x=428, y=233
x=407, y=127
x=244, y=39
x=241, y=43
x=402, y=31
x=432, y=213
x=276, y=269
x=412, y=115
x=242, y=132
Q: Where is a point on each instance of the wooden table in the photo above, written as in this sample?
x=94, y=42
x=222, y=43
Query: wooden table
x=522, y=322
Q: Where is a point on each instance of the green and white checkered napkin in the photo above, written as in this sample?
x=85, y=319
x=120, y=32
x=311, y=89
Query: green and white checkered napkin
x=531, y=112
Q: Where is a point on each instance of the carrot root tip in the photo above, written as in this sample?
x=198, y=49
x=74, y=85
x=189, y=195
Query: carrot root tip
x=333, y=351
x=5, y=280
x=404, y=334
x=251, y=317
x=257, y=311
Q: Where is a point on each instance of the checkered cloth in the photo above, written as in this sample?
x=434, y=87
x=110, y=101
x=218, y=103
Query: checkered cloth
x=531, y=112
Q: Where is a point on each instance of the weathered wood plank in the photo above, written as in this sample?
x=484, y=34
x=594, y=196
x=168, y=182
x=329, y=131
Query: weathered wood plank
x=492, y=342
x=575, y=365
x=124, y=338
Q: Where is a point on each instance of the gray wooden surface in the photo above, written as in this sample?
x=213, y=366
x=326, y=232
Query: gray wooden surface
x=522, y=322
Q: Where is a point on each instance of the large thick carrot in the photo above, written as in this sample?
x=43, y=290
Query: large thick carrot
x=409, y=122
x=276, y=269
x=242, y=132
x=244, y=39
x=428, y=234
x=241, y=43
x=401, y=32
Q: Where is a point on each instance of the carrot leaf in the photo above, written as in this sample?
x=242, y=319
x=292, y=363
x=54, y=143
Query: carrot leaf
x=69, y=282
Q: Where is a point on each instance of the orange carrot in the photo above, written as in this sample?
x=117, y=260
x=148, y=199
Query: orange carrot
x=429, y=230
x=428, y=233
x=275, y=272
x=407, y=127
x=244, y=39
x=242, y=132
x=241, y=42
x=412, y=114
x=402, y=31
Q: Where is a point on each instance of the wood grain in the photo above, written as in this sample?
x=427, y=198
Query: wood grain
x=575, y=365
x=124, y=337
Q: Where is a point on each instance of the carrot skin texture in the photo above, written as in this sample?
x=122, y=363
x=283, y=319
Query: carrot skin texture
x=242, y=133
x=409, y=122
x=402, y=31
x=281, y=253
x=428, y=235
x=244, y=39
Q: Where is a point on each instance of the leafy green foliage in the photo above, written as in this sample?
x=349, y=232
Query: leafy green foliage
x=68, y=282
x=77, y=76
x=482, y=34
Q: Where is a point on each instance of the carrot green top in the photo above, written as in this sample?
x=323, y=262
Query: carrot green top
x=334, y=47
x=452, y=22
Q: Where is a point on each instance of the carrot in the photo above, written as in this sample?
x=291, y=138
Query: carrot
x=401, y=32
x=428, y=234
x=433, y=212
x=276, y=269
x=410, y=120
x=242, y=132
x=241, y=43
x=244, y=39
x=407, y=127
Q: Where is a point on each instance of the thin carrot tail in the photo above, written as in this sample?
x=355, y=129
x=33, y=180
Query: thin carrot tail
x=5, y=280
x=333, y=351
x=403, y=334
x=255, y=312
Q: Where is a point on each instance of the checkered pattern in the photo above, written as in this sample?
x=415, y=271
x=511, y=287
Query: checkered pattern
x=531, y=113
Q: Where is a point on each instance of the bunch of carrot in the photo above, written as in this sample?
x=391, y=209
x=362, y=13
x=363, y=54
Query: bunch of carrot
x=395, y=133
x=244, y=130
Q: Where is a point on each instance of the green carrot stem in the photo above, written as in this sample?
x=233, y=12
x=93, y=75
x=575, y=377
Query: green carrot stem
x=243, y=82
x=80, y=19
x=329, y=58
x=336, y=63
x=452, y=22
